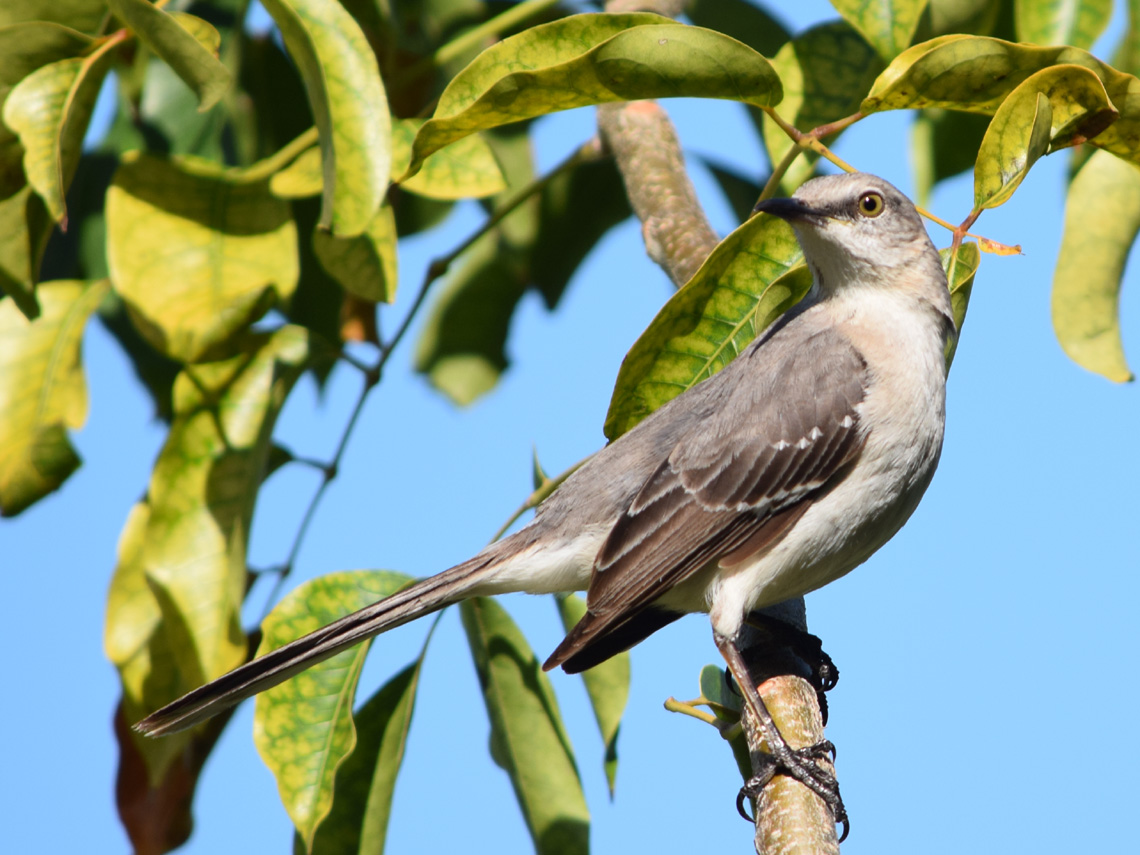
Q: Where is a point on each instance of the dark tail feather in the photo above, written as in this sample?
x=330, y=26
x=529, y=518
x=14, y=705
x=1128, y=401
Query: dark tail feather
x=278, y=665
x=584, y=647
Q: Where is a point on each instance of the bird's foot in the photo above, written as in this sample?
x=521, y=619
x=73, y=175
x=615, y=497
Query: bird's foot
x=800, y=764
x=822, y=672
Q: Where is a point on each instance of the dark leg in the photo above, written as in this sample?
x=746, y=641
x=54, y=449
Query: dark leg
x=821, y=671
x=797, y=763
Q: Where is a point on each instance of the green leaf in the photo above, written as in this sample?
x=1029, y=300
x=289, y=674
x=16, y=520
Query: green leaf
x=203, y=31
x=135, y=643
x=976, y=74
x=364, y=265
x=197, y=252
x=1102, y=218
x=978, y=17
x=462, y=347
x=1052, y=109
x=960, y=267
x=42, y=391
x=887, y=26
x=538, y=476
x=84, y=15
x=49, y=111
x=132, y=614
x=527, y=737
x=168, y=112
x=825, y=72
x=741, y=20
x=415, y=214
x=1061, y=22
x=303, y=728
x=272, y=80
x=366, y=780
x=750, y=278
x=319, y=300
x=349, y=105
x=301, y=178
x=576, y=208
x=724, y=701
x=466, y=170
x=591, y=59
x=178, y=47
x=944, y=143
x=1126, y=57
x=607, y=685
x=79, y=252
x=23, y=49
x=24, y=231
x=201, y=497
x=716, y=690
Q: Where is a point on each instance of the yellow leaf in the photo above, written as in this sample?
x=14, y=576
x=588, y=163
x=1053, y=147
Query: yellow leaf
x=1054, y=108
x=349, y=105
x=364, y=265
x=42, y=391
x=1102, y=218
x=49, y=111
x=887, y=25
x=197, y=252
x=976, y=74
x=465, y=170
x=592, y=59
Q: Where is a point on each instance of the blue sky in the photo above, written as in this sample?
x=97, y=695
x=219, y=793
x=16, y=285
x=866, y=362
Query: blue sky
x=984, y=651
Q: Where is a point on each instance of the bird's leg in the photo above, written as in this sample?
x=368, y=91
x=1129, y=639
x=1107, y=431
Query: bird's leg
x=798, y=763
x=822, y=671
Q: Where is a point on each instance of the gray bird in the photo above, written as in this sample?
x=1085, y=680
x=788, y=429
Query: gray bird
x=777, y=475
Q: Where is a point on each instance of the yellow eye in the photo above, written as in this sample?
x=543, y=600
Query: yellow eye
x=870, y=204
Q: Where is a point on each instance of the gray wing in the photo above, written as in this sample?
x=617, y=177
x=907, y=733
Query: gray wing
x=786, y=423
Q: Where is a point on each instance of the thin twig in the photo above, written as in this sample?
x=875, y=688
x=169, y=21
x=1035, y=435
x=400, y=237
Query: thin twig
x=536, y=498
x=674, y=227
x=778, y=173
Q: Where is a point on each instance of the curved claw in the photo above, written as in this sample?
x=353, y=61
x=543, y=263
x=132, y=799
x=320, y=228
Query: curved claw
x=819, y=781
x=741, y=798
x=826, y=672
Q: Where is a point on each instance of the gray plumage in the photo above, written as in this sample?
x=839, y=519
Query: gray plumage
x=773, y=477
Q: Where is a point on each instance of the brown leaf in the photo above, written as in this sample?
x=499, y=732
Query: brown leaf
x=358, y=320
x=158, y=819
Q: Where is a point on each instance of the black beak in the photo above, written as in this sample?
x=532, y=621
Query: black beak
x=787, y=209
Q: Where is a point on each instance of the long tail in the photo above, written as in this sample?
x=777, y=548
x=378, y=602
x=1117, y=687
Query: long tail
x=278, y=665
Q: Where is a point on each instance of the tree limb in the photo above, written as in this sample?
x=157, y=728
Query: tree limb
x=677, y=234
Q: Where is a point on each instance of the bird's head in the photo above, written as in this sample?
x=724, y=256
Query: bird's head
x=857, y=229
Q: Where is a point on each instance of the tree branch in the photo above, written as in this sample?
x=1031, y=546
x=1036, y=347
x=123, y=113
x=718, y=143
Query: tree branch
x=677, y=234
x=790, y=818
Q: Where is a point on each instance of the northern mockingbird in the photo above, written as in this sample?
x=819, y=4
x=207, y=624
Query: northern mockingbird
x=770, y=479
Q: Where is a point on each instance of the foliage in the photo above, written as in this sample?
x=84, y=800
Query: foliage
x=240, y=221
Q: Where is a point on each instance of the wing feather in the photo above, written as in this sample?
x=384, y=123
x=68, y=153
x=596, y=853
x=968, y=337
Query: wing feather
x=735, y=483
